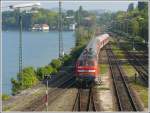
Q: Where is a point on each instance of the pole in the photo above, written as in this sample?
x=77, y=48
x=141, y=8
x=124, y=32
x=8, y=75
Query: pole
x=46, y=94
x=20, y=46
x=61, y=51
x=133, y=44
x=135, y=75
x=120, y=26
x=127, y=27
x=78, y=20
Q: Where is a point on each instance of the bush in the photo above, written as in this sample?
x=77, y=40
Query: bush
x=16, y=86
x=27, y=78
x=42, y=71
x=56, y=63
x=75, y=53
x=66, y=60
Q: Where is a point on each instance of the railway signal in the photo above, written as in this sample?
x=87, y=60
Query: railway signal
x=46, y=92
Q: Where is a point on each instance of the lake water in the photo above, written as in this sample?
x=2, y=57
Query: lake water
x=39, y=48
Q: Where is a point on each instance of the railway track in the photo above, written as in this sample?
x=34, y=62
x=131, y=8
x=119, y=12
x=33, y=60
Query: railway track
x=138, y=62
x=124, y=97
x=86, y=100
x=39, y=104
x=143, y=59
x=142, y=71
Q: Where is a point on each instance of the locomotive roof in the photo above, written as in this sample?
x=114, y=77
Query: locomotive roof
x=92, y=44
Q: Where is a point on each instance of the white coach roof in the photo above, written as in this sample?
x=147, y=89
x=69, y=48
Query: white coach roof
x=93, y=43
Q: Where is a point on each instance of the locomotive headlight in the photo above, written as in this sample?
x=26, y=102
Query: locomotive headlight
x=86, y=71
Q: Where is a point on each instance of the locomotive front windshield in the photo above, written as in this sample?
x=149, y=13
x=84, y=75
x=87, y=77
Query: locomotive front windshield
x=86, y=63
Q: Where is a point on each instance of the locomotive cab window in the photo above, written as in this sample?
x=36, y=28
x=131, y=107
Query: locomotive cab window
x=81, y=63
x=90, y=63
x=86, y=63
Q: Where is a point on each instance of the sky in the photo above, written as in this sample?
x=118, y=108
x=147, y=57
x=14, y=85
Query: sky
x=87, y=5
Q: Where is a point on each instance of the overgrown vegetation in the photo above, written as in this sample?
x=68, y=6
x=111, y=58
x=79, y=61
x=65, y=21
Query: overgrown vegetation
x=25, y=79
x=142, y=92
x=43, y=71
x=103, y=68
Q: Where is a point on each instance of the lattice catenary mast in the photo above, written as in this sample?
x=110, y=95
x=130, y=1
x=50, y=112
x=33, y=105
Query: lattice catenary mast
x=61, y=49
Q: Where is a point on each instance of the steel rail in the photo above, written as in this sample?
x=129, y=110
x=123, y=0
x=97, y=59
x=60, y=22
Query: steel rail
x=85, y=101
x=114, y=66
x=57, y=93
x=143, y=75
x=35, y=105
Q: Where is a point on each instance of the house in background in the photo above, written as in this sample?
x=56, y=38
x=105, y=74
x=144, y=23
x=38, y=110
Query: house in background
x=72, y=27
x=36, y=27
x=45, y=27
x=40, y=27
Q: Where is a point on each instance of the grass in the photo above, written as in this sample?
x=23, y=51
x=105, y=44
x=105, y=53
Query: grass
x=104, y=88
x=118, y=52
x=7, y=108
x=38, y=93
x=103, y=68
x=5, y=97
x=142, y=92
x=129, y=69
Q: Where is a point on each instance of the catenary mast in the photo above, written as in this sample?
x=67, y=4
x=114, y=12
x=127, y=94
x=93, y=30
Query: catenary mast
x=61, y=49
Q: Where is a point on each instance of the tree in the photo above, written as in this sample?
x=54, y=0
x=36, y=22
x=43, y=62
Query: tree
x=75, y=53
x=56, y=63
x=80, y=9
x=134, y=27
x=130, y=7
x=135, y=21
x=70, y=12
x=142, y=5
x=67, y=59
x=27, y=78
x=43, y=71
x=144, y=30
x=16, y=86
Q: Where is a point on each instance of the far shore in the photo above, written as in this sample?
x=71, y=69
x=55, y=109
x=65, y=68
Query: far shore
x=36, y=30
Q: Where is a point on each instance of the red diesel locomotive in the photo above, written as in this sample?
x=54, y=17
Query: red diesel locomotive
x=87, y=64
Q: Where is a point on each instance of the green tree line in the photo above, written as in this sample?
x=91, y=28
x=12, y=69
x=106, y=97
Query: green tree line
x=133, y=22
x=130, y=23
x=42, y=16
